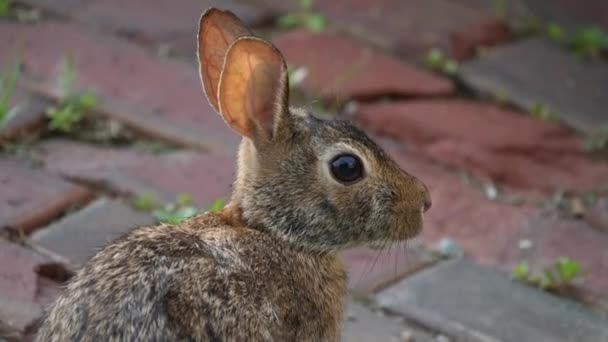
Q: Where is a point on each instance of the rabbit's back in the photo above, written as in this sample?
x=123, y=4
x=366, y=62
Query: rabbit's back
x=200, y=281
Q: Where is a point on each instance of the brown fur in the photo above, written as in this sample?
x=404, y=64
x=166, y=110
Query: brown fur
x=266, y=268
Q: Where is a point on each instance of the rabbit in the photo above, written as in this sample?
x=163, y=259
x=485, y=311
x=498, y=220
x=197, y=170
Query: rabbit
x=267, y=267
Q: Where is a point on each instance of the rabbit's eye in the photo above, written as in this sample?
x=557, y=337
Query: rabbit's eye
x=346, y=168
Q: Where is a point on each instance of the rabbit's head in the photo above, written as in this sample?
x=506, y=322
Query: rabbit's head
x=321, y=185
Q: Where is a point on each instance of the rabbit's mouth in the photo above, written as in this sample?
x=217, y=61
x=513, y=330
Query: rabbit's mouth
x=408, y=225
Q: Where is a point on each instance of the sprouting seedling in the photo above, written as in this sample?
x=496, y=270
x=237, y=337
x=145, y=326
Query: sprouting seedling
x=585, y=43
x=499, y=8
x=5, y=8
x=217, y=205
x=8, y=82
x=556, y=33
x=597, y=141
x=174, y=213
x=435, y=60
x=145, y=202
x=589, y=42
x=72, y=107
x=305, y=17
x=296, y=75
x=542, y=112
x=553, y=278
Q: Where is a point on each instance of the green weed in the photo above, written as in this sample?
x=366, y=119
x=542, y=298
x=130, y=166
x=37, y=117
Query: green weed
x=8, y=82
x=542, y=112
x=172, y=213
x=435, y=60
x=145, y=202
x=73, y=107
x=553, y=278
x=305, y=17
x=597, y=141
x=5, y=8
x=587, y=42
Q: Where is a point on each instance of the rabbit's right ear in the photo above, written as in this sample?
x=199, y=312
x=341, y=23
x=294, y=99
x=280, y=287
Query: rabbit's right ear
x=217, y=30
x=253, y=90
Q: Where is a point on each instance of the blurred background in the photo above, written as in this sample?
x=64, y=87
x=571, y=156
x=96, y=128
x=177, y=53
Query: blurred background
x=498, y=106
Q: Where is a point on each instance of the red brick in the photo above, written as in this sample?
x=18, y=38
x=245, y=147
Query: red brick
x=205, y=176
x=147, y=88
x=23, y=293
x=491, y=143
x=30, y=197
x=372, y=270
x=150, y=21
x=411, y=27
x=340, y=68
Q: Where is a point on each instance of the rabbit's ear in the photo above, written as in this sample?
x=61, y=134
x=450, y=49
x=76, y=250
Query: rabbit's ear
x=253, y=91
x=217, y=30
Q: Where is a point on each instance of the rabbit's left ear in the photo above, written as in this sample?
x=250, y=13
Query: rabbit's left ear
x=217, y=30
x=253, y=89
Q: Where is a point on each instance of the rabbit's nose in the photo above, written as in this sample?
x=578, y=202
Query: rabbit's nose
x=427, y=202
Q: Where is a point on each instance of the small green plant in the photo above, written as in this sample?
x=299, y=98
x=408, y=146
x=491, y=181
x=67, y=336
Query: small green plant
x=172, y=213
x=296, y=75
x=597, y=141
x=589, y=42
x=145, y=202
x=217, y=205
x=8, y=82
x=553, y=278
x=435, y=60
x=501, y=97
x=585, y=43
x=556, y=33
x=305, y=17
x=541, y=111
x=499, y=7
x=73, y=107
x=5, y=8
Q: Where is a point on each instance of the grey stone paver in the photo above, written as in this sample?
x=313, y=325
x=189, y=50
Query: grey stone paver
x=79, y=236
x=363, y=324
x=536, y=71
x=372, y=270
x=569, y=14
x=483, y=305
x=410, y=28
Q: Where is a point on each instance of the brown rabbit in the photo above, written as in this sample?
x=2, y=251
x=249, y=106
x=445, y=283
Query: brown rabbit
x=267, y=267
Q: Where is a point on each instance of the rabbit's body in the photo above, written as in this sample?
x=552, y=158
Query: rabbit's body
x=266, y=268
x=203, y=280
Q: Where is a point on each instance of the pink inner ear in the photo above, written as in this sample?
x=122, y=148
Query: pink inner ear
x=263, y=89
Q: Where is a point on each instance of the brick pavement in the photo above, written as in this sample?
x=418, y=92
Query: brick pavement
x=493, y=171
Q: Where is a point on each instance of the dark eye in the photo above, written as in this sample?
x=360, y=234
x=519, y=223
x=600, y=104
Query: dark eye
x=346, y=168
